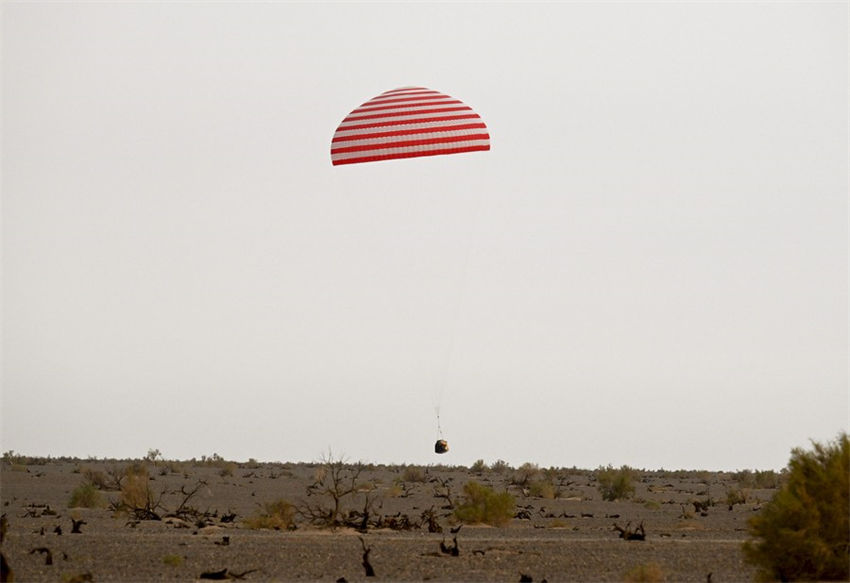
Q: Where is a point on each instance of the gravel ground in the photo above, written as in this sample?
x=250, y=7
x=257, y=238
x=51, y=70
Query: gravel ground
x=567, y=538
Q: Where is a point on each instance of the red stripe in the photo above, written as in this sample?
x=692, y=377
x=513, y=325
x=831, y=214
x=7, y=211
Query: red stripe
x=419, y=95
x=400, y=122
x=398, y=113
x=411, y=154
x=403, y=105
x=410, y=143
x=465, y=126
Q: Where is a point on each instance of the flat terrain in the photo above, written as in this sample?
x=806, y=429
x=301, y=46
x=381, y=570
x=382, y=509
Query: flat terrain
x=201, y=511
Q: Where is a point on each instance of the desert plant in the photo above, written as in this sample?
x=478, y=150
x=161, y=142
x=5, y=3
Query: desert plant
x=481, y=504
x=413, y=474
x=335, y=479
x=615, y=484
x=226, y=469
x=500, y=466
x=735, y=496
x=524, y=474
x=172, y=560
x=137, y=497
x=803, y=533
x=277, y=515
x=479, y=467
x=85, y=495
x=153, y=456
x=543, y=489
x=767, y=479
x=645, y=573
x=96, y=478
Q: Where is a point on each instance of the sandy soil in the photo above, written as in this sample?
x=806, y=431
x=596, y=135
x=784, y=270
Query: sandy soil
x=569, y=537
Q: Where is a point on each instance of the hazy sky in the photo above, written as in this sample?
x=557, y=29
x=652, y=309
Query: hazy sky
x=650, y=267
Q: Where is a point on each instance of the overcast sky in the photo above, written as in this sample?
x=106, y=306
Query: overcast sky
x=650, y=267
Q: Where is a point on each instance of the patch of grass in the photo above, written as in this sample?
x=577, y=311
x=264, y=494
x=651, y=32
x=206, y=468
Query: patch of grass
x=172, y=560
x=615, y=484
x=803, y=533
x=645, y=573
x=86, y=495
x=277, y=515
x=483, y=505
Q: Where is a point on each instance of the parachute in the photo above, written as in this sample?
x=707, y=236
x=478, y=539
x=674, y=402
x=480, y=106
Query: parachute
x=405, y=123
x=409, y=122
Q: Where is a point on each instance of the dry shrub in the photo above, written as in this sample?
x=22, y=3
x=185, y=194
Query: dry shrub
x=500, y=466
x=277, y=515
x=615, y=484
x=136, y=493
x=413, y=474
x=525, y=474
x=96, y=478
x=482, y=505
x=479, y=467
x=86, y=495
x=646, y=573
x=543, y=489
x=803, y=533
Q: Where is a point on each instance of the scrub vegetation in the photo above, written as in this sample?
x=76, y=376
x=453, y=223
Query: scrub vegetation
x=481, y=504
x=803, y=533
x=616, y=484
x=277, y=515
x=86, y=496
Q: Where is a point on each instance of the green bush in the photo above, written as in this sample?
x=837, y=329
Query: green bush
x=277, y=515
x=85, y=495
x=615, y=484
x=803, y=533
x=543, y=489
x=482, y=505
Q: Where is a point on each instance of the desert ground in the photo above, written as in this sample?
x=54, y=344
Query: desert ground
x=210, y=518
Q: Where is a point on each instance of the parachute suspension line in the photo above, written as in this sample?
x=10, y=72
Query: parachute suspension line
x=457, y=305
x=439, y=429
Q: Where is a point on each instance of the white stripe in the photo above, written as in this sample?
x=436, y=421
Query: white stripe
x=407, y=107
x=342, y=133
x=428, y=136
x=416, y=103
x=353, y=121
x=412, y=93
x=403, y=90
x=409, y=149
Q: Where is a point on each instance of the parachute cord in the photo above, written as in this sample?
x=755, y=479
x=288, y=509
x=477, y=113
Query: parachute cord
x=457, y=308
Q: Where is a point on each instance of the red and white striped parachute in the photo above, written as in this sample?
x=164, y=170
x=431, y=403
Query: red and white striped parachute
x=406, y=123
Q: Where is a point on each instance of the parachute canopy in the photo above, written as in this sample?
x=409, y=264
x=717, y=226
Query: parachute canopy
x=406, y=123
